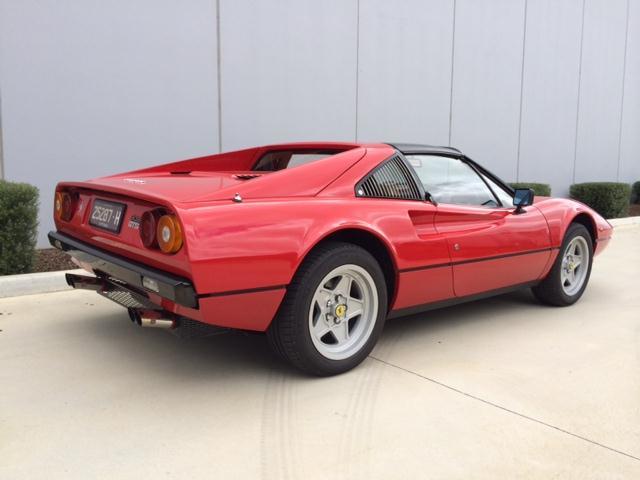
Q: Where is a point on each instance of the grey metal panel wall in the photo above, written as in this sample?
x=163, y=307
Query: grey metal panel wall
x=487, y=70
x=288, y=71
x=601, y=81
x=630, y=135
x=550, y=92
x=92, y=88
x=405, y=61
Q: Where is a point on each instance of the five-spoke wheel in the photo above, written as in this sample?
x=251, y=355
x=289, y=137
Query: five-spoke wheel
x=333, y=312
x=575, y=261
x=343, y=311
x=569, y=275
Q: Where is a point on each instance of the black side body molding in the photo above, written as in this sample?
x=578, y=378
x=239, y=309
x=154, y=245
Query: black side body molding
x=403, y=312
x=476, y=260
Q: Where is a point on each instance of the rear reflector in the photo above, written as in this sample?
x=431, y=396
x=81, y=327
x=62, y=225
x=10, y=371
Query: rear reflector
x=150, y=284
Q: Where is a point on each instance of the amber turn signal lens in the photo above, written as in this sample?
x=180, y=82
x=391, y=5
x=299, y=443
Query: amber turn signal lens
x=169, y=234
x=64, y=206
x=148, y=227
x=57, y=205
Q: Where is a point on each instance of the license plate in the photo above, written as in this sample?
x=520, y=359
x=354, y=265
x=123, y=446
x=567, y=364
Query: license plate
x=107, y=215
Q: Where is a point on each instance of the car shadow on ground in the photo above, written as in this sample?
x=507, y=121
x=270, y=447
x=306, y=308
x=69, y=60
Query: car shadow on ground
x=457, y=316
x=244, y=355
x=160, y=352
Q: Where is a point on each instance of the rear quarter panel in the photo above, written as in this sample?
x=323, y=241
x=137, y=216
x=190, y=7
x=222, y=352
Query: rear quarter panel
x=254, y=245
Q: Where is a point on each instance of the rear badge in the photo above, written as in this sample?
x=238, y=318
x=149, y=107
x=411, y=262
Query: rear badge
x=134, y=222
x=139, y=181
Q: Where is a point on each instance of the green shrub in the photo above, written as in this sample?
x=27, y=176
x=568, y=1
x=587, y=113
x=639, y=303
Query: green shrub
x=542, y=189
x=18, y=227
x=609, y=199
x=635, y=192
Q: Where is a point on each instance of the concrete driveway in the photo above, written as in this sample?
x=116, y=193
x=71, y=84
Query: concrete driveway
x=503, y=388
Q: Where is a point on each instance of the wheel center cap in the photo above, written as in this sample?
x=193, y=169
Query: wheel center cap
x=341, y=310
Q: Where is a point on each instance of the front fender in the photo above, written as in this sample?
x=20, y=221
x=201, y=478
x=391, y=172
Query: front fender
x=561, y=212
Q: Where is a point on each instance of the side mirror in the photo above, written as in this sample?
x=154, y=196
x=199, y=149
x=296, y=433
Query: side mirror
x=523, y=197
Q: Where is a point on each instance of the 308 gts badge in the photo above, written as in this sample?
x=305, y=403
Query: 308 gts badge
x=134, y=222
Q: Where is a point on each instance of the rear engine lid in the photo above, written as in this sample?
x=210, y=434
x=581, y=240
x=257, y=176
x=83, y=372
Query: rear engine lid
x=184, y=185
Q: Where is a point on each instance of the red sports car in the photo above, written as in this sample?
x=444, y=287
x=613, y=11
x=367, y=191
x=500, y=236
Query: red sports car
x=317, y=244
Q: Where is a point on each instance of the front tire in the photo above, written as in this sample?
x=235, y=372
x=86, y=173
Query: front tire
x=568, y=278
x=333, y=312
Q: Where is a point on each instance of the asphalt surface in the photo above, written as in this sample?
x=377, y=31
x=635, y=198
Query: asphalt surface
x=502, y=388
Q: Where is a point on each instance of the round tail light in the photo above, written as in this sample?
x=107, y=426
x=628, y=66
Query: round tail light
x=148, y=227
x=65, y=205
x=169, y=234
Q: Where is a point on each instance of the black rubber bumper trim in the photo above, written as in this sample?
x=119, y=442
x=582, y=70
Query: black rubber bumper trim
x=425, y=307
x=476, y=260
x=177, y=289
x=242, y=292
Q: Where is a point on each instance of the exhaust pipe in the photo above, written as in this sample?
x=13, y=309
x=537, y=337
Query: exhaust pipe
x=179, y=326
x=150, y=318
x=157, y=322
x=134, y=316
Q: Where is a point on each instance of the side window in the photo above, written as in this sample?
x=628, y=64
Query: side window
x=450, y=180
x=505, y=197
x=391, y=179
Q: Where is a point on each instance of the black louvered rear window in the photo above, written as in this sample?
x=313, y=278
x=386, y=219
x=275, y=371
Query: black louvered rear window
x=392, y=179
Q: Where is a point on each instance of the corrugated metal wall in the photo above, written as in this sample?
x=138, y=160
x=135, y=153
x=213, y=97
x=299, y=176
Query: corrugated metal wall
x=537, y=90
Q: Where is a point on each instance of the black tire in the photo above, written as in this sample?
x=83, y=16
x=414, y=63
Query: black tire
x=289, y=334
x=550, y=290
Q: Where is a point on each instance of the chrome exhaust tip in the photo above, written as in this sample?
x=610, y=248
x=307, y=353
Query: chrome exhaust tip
x=156, y=322
x=151, y=318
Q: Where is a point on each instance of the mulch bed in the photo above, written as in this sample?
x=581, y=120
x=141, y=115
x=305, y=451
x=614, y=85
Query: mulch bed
x=51, y=260
x=634, y=210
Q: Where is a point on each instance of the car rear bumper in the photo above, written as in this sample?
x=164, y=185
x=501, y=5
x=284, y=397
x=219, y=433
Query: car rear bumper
x=174, y=288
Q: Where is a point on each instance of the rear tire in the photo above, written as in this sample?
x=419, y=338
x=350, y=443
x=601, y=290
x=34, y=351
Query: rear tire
x=333, y=311
x=568, y=278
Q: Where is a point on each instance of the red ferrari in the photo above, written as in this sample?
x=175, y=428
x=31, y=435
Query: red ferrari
x=317, y=244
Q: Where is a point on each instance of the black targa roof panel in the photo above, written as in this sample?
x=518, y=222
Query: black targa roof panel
x=415, y=148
